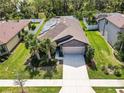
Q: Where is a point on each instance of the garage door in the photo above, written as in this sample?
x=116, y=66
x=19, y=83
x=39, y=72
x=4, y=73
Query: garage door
x=73, y=50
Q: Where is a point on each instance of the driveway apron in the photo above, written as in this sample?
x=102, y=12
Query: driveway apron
x=75, y=74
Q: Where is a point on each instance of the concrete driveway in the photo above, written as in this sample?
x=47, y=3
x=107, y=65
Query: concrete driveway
x=74, y=75
x=74, y=68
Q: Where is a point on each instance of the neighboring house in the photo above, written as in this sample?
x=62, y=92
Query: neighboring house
x=110, y=26
x=68, y=34
x=10, y=34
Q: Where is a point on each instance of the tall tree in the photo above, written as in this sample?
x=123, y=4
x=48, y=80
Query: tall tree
x=33, y=44
x=48, y=47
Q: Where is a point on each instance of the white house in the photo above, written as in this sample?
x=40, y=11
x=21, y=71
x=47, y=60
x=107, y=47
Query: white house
x=110, y=26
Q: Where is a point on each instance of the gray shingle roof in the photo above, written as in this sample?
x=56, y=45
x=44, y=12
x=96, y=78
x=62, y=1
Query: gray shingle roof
x=66, y=26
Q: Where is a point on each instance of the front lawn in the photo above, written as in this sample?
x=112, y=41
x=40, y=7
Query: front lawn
x=15, y=64
x=103, y=56
x=104, y=90
x=31, y=90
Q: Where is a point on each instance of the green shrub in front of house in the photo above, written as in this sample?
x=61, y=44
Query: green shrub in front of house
x=118, y=72
x=119, y=46
x=33, y=26
x=111, y=70
x=89, y=54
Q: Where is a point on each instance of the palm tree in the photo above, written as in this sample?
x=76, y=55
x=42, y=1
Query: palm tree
x=48, y=47
x=33, y=44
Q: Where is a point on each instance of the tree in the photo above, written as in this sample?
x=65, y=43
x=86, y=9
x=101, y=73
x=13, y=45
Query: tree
x=26, y=9
x=48, y=47
x=7, y=7
x=32, y=43
x=38, y=7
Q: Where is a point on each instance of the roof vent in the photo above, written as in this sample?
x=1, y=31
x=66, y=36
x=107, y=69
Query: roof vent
x=3, y=22
x=122, y=15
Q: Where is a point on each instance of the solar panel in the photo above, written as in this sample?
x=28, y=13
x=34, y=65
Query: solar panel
x=45, y=29
x=49, y=24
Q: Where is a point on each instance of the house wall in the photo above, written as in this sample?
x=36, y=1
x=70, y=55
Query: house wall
x=110, y=31
x=101, y=24
x=12, y=43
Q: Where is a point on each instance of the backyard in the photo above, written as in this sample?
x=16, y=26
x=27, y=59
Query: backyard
x=31, y=90
x=103, y=56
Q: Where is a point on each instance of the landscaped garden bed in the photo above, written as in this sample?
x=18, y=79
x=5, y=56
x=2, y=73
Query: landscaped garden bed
x=108, y=67
x=30, y=90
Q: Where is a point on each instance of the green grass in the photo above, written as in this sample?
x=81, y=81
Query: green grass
x=31, y=90
x=15, y=63
x=103, y=55
x=104, y=90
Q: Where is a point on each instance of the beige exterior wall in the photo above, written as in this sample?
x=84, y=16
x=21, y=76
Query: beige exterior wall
x=12, y=43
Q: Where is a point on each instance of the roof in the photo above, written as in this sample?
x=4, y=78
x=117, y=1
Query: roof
x=104, y=15
x=65, y=26
x=9, y=29
x=117, y=20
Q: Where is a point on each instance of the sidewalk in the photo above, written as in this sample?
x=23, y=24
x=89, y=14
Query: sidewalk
x=32, y=83
x=72, y=83
x=106, y=83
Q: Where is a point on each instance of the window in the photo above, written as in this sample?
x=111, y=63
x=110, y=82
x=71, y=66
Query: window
x=2, y=49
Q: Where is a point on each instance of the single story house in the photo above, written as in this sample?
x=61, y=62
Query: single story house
x=10, y=34
x=68, y=34
x=110, y=26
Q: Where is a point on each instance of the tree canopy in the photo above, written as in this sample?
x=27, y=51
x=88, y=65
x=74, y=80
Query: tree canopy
x=25, y=9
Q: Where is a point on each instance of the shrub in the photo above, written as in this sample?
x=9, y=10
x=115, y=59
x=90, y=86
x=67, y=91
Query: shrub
x=110, y=66
x=106, y=71
x=33, y=27
x=103, y=68
x=89, y=54
x=117, y=72
x=121, y=54
x=51, y=63
x=116, y=67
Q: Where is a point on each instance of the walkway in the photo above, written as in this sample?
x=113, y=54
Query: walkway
x=72, y=83
x=74, y=73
